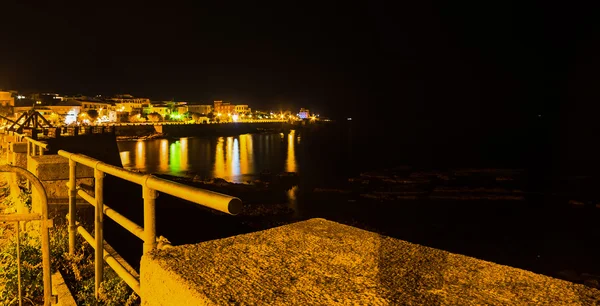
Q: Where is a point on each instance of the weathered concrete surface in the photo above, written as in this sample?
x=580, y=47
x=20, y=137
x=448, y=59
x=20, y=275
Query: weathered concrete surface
x=17, y=159
x=53, y=171
x=60, y=289
x=55, y=167
x=18, y=147
x=319, y=262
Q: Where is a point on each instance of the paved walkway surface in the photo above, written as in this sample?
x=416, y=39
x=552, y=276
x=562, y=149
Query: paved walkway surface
x=319, y=262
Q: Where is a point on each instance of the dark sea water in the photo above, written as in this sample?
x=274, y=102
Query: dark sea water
x=321, y=155
x=234, y=158
x=542, y=232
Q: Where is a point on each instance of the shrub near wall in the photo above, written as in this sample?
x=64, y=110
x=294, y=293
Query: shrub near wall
x=77, y=270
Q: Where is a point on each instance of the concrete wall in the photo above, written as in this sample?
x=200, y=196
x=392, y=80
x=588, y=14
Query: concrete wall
x=53, y=171
x=319, y=262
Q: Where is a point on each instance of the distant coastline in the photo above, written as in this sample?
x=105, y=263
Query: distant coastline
x=143, y=132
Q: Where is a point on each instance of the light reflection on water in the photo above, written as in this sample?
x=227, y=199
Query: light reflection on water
x=235, y=158
x=290, y=163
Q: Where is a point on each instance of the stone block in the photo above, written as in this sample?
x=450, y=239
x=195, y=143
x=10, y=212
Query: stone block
x=18, y=147
x=57, y=192
x=18, y=159
x=319, y=262
x=55, y=167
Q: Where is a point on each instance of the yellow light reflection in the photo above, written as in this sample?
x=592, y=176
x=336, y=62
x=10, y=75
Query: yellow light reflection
x=164, y=156
x=246, y=161
x=140, y=155
x=125, y=158
x=219, y=160
x=228, y=152
x=290, y=164
x=184, y=154
x=235, y=161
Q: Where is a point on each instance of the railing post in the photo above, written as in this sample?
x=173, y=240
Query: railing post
x=150, y=196
x=72, y=205
x=99, y=255
x=19, y=262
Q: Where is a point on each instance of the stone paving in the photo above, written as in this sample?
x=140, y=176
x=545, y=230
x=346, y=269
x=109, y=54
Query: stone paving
x=319, y=262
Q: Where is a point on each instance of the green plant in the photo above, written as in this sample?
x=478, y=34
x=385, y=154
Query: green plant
x=31, y=271
x=25, y=198
x=78, y=271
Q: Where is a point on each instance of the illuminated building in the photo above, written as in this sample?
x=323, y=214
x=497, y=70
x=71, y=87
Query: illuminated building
x=66, y=110
x=128, y=103
x=102, y=107
x=200, y=109
x=6, y=99
x=224, y=108
x=161, y=109
x=304, y=113
x=242, y=109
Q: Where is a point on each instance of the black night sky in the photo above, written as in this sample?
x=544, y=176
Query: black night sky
x=441, y=64
x=441, y=96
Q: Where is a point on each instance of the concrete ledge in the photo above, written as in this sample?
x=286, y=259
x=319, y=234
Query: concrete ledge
x=55, y=167
x=18, y=159
x=318, y=262
x=18, y=147
x=60, y=289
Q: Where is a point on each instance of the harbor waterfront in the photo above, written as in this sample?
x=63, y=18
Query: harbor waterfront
x=428, y=205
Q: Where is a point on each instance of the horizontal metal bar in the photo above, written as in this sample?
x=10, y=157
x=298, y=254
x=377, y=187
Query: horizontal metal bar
x=129, y=225
x=37, y=142
x=87, y=236
x=124, y=222
x=214, y=200
x=131, y=280
x=20, y=217
x=86, y=196
x=106, y=168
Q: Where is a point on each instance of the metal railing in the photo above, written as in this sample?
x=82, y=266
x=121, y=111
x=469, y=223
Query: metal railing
x=34, y=147
x=45, y=224
x=151, y=185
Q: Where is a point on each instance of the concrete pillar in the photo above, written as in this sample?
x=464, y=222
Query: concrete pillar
x=16, y=156
x=53, y=171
